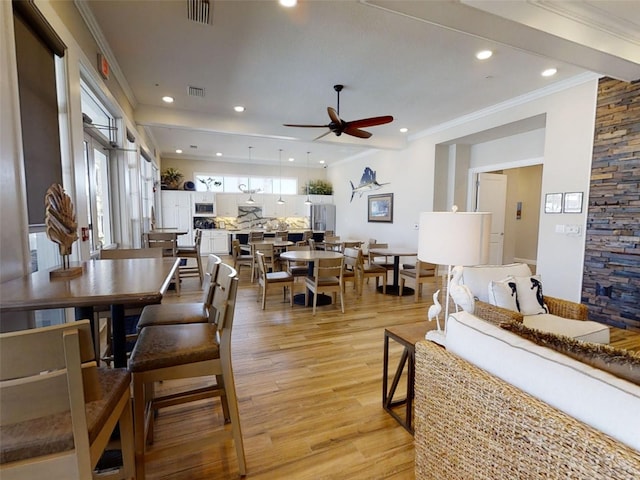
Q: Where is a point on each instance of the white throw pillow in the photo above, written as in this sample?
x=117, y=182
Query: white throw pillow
x=529, y=294
x=503, y=294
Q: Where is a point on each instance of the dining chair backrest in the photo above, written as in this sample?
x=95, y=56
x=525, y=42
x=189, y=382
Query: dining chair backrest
x=328, y=233
x=312, y=243
x=164, y=240
x=224, y=296
x=351, y=256
x=326, y=268
x=111, y=254
x=306, y=235
x=354, y=244
x=210, y=279
x=283, y=235
x=266, y=249
x=256, y=236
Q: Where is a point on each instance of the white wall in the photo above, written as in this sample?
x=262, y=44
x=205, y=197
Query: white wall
x=568, y=141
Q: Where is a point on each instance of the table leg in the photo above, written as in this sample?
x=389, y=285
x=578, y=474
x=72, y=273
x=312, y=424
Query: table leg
x=119, y=341
x=82, y=313
x=394, y=288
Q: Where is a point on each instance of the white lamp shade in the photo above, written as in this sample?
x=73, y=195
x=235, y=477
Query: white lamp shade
x=460, y=238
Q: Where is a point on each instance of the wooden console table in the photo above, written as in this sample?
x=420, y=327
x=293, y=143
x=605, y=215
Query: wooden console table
x=407, y=336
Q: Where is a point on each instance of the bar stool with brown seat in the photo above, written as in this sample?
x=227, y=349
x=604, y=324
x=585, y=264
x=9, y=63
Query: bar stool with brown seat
x=57, y=409
x=172, y=352
x=187, y=312
x=423, y=272
x=191, y=251
x=266, y=278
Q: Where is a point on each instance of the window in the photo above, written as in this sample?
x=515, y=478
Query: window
x=232, y=184
x=98, y=201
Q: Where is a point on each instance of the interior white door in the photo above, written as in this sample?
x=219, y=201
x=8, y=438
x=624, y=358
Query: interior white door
x=492, y=197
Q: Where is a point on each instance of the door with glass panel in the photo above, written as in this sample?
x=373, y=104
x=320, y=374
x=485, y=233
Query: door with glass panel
x=98, y=199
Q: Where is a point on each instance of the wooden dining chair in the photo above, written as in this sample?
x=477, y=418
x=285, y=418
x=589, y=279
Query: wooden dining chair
x=240, y=259
x=350, y=268
x=327, y=278
x=282, y=235
x=369, y=270
x=256, y=236
x=422, y=272
x=57, y=409
x=270, y=258
x=297, y=268
x=185, y=312
x=191, y=251
x=377, y=259
x=165, y=240
x=266, y=278
x=180, y=352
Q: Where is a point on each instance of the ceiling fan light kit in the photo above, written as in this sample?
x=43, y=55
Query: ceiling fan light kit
x=339, y=126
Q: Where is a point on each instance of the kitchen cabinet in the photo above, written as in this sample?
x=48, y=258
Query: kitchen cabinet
x=295, y=206
x=203, y=197
x=270, y=206
x=227, y=205
x=176, y=213
x=214, y=241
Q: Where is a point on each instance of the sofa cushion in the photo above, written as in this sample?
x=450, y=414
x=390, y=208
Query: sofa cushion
x=477, y=278
x=503, y=294
x=581, y=391
x=584, y=330
x=621, y=363
x=529, y=294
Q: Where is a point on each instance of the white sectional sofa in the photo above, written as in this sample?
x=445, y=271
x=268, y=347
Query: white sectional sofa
x=562, y=317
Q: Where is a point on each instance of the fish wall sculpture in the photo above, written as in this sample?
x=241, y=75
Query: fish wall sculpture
x=368, y=182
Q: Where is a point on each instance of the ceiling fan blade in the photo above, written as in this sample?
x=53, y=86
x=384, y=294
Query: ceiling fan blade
x=304, y=126
x=323, y=135
x=370, y=122
x=333, y=115
x=356, y=132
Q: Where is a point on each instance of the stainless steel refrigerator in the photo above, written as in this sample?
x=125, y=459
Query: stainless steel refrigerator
x=323, y=217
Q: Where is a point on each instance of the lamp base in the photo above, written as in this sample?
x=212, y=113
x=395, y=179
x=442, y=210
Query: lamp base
x=436, y=336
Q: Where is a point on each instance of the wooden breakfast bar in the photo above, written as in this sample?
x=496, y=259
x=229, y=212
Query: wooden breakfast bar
x=103, y=282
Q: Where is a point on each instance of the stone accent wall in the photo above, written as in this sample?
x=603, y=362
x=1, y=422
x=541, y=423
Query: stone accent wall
x=611, y=285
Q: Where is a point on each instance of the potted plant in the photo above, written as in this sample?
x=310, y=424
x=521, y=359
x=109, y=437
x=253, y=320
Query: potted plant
x=320, y=187
x=171, y=178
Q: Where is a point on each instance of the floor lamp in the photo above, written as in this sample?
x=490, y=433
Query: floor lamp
x=453, y=238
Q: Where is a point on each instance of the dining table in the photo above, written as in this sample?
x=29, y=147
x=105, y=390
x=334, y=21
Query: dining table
x=113, y=283
x=396, y=253
x=309, y=256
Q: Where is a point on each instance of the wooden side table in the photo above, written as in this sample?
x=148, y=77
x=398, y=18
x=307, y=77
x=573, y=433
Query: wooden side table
x=407, y=336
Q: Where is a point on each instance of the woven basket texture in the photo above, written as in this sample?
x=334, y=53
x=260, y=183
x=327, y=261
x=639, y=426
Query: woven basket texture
x=472, y=425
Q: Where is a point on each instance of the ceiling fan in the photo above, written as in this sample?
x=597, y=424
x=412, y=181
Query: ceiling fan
x=339, y=126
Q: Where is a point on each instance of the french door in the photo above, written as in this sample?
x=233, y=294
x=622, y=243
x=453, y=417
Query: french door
x=98, y=193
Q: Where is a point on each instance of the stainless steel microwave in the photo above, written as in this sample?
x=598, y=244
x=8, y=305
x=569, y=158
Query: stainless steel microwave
x=200, y=208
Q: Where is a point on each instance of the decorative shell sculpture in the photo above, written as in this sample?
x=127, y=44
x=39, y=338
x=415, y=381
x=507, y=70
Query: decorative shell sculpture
x=60, y=219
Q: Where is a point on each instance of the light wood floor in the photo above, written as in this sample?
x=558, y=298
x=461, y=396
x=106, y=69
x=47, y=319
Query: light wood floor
x=309, y=390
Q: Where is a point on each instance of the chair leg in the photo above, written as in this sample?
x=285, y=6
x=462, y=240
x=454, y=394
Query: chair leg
x=315, y=300
x=384, y=284
x=236, y=429
x=264, y=296
x=341, y=302
x=200, y=271
x=127, y=444
x=139, y=421
x=401, y=287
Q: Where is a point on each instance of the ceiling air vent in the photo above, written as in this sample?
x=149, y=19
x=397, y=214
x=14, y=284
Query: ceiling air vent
x=200, y=11
x=196, y=91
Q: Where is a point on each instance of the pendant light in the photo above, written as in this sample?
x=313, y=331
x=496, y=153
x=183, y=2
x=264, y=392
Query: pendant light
x=250, y=200
x=280, y=200
x=308, y=200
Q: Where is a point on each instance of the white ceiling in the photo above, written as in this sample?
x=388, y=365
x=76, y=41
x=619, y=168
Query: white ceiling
x=408, y=59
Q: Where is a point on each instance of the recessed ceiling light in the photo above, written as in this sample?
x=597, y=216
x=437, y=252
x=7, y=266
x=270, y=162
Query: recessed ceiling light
x=404, y=130
x=484, y=54
x=218, y=154
x=239, y=108
x=291, y=159
x=178, y=150
x=549, y=72
x=288, y=3
x=322, y=161
x=167, y=99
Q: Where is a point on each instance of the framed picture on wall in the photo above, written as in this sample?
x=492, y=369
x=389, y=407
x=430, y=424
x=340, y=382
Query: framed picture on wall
x=553, y=203
x=380, y=208
x=572, y=202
